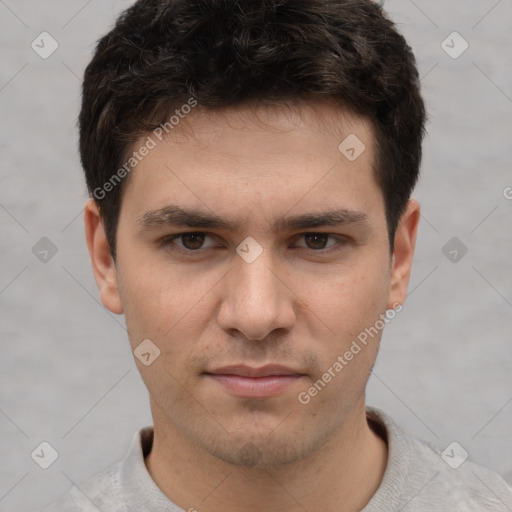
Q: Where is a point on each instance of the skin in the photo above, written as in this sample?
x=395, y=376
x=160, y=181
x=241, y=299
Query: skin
x=297, y=305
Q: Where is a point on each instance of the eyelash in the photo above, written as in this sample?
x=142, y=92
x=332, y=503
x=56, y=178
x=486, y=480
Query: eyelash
x=167, y=242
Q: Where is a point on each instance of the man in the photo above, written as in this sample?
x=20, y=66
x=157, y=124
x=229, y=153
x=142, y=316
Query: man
x=250, y=166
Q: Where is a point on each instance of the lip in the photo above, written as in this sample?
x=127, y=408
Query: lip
x=243, y=370
x=248, y=382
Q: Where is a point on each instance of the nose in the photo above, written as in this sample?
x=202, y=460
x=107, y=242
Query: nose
x=256, y=299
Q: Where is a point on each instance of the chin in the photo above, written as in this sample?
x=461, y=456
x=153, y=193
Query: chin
x=263, y=450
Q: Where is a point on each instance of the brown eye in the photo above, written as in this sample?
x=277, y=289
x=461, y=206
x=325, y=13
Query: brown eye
x=192, y=241
x=322, y=243
x=316, y=241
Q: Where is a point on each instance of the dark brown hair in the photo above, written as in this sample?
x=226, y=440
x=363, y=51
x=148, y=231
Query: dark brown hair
x=163, y=54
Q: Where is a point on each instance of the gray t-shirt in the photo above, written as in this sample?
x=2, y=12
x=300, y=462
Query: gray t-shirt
x=417, y=479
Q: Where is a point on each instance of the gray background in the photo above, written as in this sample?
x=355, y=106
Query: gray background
x=66, y=372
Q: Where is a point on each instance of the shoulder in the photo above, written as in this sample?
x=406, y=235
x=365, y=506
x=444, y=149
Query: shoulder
x=122, y=487
x=422, y=477
x=461, y=481
x=103, y=491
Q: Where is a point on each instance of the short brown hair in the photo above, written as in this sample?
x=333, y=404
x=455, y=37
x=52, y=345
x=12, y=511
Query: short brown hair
x=161, y=53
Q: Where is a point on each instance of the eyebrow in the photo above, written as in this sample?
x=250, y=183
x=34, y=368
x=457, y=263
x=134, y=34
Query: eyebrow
x=172, y=215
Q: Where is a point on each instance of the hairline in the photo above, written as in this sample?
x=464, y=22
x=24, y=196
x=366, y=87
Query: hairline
x=294, y=102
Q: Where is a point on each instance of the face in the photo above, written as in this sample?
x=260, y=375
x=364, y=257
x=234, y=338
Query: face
x=247, y=240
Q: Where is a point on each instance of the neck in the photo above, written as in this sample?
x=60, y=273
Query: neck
x=342, y=475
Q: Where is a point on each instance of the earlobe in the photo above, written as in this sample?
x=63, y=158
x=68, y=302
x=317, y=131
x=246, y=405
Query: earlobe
x=102, y=262
x=401, y=263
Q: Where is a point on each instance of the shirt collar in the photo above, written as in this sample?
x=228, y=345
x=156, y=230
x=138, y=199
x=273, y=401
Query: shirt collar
x=143, y=493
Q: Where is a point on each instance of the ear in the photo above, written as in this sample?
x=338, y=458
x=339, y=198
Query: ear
x=401, y=263
x=102, y=262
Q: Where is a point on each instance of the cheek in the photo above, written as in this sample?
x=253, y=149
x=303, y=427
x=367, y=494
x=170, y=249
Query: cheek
x=165, y=309
x=347, y=307
x=164, y=304
x=349, y=300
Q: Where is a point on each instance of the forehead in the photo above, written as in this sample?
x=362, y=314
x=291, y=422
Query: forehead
x=264, y=157
x=242, y=130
